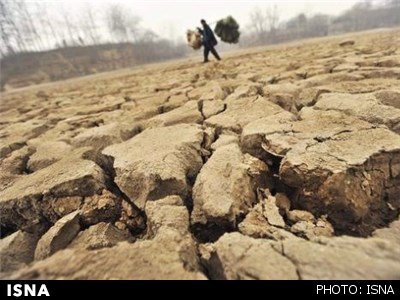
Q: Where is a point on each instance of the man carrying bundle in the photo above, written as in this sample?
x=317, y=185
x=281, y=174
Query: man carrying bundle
x=209, y=41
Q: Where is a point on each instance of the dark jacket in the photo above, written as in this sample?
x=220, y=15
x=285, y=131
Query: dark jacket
x=209, y=39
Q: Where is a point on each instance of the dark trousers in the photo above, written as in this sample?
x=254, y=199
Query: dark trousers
x=207, y=50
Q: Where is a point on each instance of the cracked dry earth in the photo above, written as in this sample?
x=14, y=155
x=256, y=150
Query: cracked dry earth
x=276, y=163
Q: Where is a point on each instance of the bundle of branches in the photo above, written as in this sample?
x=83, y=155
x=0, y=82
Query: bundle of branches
x=228, y=30
x=193, y=39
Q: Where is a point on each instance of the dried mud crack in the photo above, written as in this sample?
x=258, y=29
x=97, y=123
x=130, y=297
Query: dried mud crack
x=231, y=170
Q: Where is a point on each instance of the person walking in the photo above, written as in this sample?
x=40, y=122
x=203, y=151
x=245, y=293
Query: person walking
x=209, y=41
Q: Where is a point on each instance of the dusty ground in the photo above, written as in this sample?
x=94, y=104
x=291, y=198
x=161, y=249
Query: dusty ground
x=276, y=163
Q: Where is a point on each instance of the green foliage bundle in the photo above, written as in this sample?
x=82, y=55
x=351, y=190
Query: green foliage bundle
x=227, y=30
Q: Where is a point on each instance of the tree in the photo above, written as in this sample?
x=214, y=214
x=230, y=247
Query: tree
x=5, y=31
x=48, y=25
x=28, y=26
x=258, y=21
x=122, y=24
x=272, y=16
x=89, y=25
x=69, y=26
x=148, y=36
x=264, y=22
x=11, y=33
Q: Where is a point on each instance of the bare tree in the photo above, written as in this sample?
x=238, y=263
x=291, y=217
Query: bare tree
x=27, y=19
x=122, y=24
x=148, y=36
x=48, y=23
x=272, y=16
x=258, y=21
x=11, y=32
x=5, y=30
x=265, y=22
x=90, y=26
x=68, y=25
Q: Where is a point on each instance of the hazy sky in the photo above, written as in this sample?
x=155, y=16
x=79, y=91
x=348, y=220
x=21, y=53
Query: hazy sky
x=171, y=19
x=179, y=15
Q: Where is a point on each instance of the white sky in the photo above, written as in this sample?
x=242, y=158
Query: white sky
x=179, y=15
x=171, y=19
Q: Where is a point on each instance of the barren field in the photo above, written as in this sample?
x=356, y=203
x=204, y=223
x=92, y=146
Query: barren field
x=276, y=163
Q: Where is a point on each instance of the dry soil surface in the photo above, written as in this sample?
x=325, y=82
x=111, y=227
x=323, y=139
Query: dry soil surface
x=275, y=163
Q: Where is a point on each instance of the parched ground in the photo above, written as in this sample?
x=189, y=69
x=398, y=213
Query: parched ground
x=275, y=163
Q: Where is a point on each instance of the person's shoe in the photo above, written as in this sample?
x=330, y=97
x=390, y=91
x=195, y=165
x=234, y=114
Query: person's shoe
x=206, y=61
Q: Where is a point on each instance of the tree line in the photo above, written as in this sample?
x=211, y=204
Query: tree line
x=38, y=26
x=265, y=26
